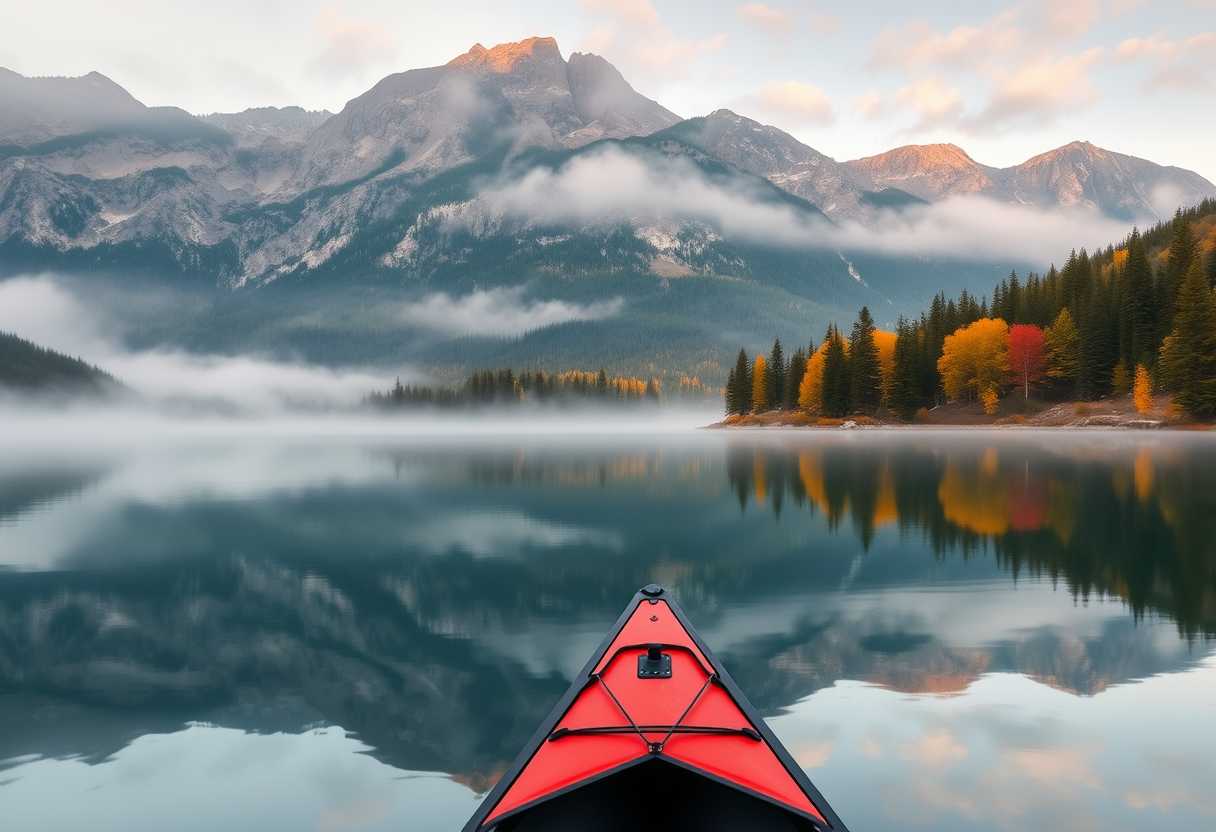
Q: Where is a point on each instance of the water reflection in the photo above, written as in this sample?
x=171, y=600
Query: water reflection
x=433, y=600
x=1101, y=519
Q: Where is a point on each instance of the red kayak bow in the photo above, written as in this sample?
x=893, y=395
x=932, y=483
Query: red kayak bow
x=654, y=734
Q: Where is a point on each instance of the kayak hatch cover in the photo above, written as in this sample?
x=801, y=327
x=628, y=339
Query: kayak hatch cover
x=654, y=734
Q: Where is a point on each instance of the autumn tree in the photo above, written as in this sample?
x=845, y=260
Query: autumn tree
x=1062, y=343
x=1142, y=392
x=884, y=342
x=760, y=383
x=975, y=358
x=865, y=372
x=1188, y=355
x=810, y=389
x=1026, y=357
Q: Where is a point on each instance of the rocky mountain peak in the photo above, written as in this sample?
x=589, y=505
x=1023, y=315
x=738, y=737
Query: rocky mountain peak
x=508, y=57
x=929, y=171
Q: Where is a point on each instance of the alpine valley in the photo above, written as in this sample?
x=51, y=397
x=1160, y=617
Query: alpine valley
x=625, y=236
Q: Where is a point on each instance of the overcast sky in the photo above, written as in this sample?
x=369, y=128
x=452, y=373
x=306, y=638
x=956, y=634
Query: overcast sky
x=1004, y=80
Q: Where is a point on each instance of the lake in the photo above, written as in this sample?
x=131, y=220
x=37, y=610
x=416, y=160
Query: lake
x=948, y=630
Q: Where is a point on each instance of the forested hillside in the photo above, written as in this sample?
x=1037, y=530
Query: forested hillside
x=1137, y=317
x=26, y=367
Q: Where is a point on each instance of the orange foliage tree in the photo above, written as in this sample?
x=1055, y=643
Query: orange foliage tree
x=1142, y=392
x=975, y=358
x=885, y=342
x=760, y=401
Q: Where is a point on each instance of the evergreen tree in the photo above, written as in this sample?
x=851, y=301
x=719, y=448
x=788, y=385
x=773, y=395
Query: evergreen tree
x=865, y=374
x=836, y=380
x=1181, y=252
x=905, y=382
x=732, y=393
x=1139, y=327
x=601, y=384
x=775, y=390
x=793, y=377
x=1099, y=348
x=743, y=384
x=1188, y=355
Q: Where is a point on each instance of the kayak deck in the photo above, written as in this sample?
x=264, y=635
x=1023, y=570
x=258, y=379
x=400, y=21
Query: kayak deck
x=653, y=733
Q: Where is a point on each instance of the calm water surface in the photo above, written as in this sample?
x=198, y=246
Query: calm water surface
x=949, y=631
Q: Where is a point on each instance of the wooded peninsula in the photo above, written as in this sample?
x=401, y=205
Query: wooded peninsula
x=1135, y=320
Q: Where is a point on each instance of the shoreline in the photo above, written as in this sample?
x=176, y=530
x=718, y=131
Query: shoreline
x=1117, y=413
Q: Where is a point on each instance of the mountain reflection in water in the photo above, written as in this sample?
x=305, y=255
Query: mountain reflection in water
x=432, y=601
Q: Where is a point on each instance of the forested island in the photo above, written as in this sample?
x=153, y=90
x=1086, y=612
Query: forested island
x=1132, y=325
x=506, y=387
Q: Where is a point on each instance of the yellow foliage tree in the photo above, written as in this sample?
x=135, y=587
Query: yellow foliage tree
x=759, y=385
x=885, y=341
x=991, y=400
x=1142, y=392
x=975, y=358
x=810, y=389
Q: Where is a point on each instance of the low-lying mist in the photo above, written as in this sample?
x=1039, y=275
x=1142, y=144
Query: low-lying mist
x=175, y=392
x=613, y=186
x=43, y=310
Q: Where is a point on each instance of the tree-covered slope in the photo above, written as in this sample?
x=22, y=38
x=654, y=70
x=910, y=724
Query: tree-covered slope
x=27, y=367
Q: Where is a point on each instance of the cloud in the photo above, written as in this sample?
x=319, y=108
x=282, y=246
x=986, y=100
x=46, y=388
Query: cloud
x=636, y=12
x=870, y=105
x=45, y=312
x=1069, y=18
x=792, y=102
x=1038, y=91
x=934, y=103
x=499, y=312
x=351, y=47
x=634, y=38
x=936, y=749
x=916, y=45
x=764, y=15
x=1030, y=83
x=612, y=186
x=1183, y=64
x=486, y=534
x=823, y=23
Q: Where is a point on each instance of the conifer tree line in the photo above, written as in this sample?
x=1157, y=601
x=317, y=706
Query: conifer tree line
x=506, y=387
x=1138, y=315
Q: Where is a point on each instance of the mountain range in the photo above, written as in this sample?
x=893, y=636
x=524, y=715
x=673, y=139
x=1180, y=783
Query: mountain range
x=451, y=179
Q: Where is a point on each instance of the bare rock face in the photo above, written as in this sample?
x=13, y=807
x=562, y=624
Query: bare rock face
x=608, y=107
x=514, y=94
x=929, y=171
x=1116, y=184
x=779, y=157
x=259, y=125
x=1079, y=174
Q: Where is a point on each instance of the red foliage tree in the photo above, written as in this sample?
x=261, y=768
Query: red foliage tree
x=1026, y=355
